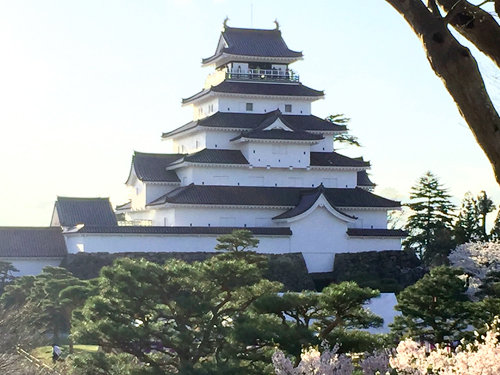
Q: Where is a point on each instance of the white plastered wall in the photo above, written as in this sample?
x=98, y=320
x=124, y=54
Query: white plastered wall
x=369, y=219
x=319, y=236
x=244, y=176
x=93, y=243
x=359, y=244
x=277, y=154
x=31, y=266
x=233, y=104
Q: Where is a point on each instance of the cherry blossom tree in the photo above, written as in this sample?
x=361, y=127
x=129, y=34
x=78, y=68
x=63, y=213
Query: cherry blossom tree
x=314, y=363
x=477, y=260
x=478, y=358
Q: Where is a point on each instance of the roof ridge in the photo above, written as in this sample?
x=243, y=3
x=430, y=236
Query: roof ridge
x=82, y=198
x=30, y=228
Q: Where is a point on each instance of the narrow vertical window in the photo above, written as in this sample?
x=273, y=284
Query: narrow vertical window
x=288, y=108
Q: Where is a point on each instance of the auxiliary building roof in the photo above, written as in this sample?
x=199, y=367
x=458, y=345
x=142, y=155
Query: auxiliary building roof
x=27, y=242
x=89, y=211
x=268, y=196
x=253, y=42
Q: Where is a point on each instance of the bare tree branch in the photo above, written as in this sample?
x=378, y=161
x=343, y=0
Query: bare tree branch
x=458, y=69
x=475, y=24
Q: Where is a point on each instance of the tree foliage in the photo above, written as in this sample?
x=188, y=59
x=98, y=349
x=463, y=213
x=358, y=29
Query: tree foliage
x=467, y=227
x=435, y=309
x=344, y=138
x=6, y=274
x=37, y=300
x=430, y=225
x=238, y=240
x=336, y=314
x=484, y=206
x=178, y=317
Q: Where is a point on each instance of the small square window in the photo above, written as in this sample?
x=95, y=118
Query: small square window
x=249, y=107
x=288, y=108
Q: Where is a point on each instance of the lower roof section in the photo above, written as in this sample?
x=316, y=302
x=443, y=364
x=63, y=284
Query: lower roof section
x=247, y=121
x=258, y=231
x=269, y=196
x=362, y=232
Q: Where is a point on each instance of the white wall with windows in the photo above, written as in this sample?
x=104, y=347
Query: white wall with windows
x=261, y=176
x=286, y=106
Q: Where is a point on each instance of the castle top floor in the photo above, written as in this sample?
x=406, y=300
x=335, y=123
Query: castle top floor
x=251, y=46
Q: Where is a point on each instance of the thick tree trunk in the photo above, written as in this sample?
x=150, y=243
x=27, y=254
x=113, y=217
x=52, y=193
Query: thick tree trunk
x=454, y=64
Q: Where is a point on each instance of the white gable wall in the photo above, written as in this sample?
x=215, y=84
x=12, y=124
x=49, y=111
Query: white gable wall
x=319, y=236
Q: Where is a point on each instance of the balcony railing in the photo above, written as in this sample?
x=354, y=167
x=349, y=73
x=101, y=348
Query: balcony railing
x=135, y=223
x=262, y=74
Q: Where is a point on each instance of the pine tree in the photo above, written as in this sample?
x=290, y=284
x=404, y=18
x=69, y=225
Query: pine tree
x=430, y=226
x=435, y=309
x=467, y=227
x=484, y=206
x=344, y=138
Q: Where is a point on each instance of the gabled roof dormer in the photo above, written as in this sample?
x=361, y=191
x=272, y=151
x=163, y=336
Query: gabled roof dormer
x=275, y=127
x=309, y=201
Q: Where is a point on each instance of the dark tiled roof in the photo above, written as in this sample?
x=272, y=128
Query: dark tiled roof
x=217, y=157
x=230, y=120
x=124, y=206
x=359, y=232
x=254, y=42
x=88, y=211
x=264, y=231
x=254, y=88
x=306, y=202
x=280, y=134
x=268, y=196
x=364, y=179
x=332, y=159
x=32, y=242
x=152, y=167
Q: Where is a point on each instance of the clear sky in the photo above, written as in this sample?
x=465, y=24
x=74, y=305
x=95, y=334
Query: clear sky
x=84, y=83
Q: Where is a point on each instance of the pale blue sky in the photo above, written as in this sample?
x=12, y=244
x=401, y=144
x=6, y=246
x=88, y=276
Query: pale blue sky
x=84, y=83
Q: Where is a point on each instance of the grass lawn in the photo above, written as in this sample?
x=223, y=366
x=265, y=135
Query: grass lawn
x=44, y=353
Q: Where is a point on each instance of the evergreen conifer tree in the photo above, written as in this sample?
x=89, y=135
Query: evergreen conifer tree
x=430, y=226
x=467, y=227
x=484, y=206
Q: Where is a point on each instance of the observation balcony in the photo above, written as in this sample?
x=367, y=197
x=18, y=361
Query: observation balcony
x=262, y=74
x=266, y=75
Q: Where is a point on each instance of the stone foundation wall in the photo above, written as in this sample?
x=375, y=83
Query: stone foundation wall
x=289, y=269
x=389, y=271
